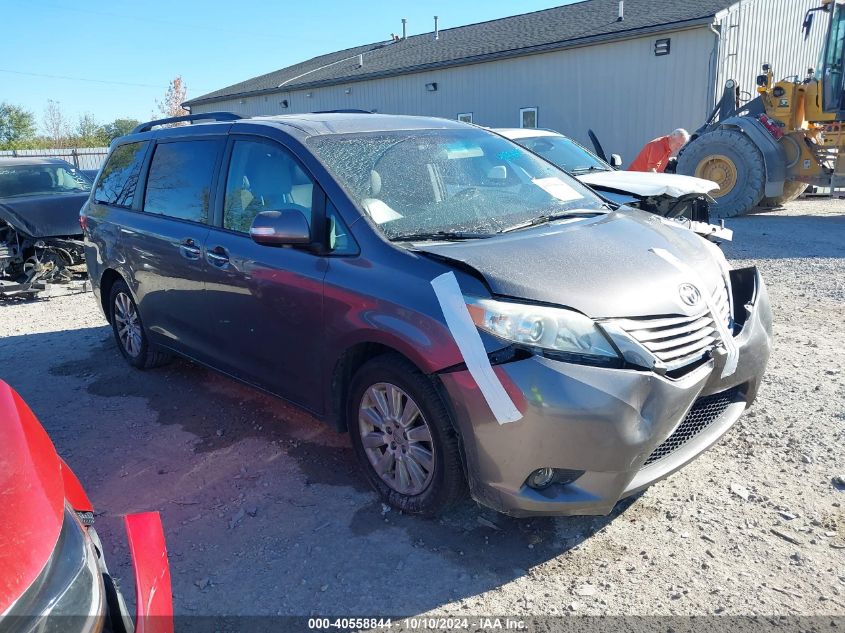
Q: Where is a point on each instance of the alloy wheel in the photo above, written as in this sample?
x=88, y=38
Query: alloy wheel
x=128, y=325
x=396, y=438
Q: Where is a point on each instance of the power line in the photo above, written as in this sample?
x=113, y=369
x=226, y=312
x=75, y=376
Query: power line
x=96, y=81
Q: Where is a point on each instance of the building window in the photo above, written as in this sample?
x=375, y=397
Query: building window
x=465, y=117
x=662, y=47
x=528, y=117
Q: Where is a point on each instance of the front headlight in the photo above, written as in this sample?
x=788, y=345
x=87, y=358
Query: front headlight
x=68, y=595
x=562, y=332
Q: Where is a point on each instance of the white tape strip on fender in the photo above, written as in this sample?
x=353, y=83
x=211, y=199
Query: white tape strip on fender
x=472, y=348
x=721, y=328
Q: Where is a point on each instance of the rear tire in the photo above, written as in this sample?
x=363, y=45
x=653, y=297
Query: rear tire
x=791, y=190
x=378, y=429
x=129, y=332
x=731, y=159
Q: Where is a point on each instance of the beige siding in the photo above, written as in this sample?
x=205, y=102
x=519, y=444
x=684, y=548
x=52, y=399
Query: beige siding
x=620, y=89
x=768, y=31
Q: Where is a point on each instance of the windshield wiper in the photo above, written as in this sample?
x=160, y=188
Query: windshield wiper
x=551, y=217
x=584, y=170
x=440, y=235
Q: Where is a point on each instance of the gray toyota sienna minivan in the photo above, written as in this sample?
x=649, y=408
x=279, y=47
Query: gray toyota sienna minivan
x=474, y=317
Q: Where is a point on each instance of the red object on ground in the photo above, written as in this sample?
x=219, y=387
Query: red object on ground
x=152, y=573
x=654, y=156
x=32, y=493
x=35, y=486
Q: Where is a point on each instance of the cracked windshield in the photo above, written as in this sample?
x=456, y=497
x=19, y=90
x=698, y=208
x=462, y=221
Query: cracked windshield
x=462, y=184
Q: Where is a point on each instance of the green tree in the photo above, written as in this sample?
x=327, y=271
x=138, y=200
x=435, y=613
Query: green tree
x=89, y=133
x=17, y=127
x=119, y=127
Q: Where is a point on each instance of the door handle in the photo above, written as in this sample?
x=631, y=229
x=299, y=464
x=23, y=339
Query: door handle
x=189, y=249
x=218, y=257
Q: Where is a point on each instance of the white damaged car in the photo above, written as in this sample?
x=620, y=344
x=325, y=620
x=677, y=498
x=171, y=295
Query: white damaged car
x=673, y=196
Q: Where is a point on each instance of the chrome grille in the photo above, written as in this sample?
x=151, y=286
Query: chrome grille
x=677, y=340
x=704, y=412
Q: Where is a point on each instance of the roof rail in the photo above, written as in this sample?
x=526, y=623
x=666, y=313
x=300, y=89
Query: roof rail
x=201, y=116
x=344, y=111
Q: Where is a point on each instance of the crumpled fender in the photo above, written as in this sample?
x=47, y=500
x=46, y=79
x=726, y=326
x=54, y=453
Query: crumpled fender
x=153, y=595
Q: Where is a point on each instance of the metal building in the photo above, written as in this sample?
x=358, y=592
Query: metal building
x=630, y=70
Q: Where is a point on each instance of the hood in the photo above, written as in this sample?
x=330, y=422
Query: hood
x=647, y=184
x=32, y=496
x=600, y=266
x=44, y=216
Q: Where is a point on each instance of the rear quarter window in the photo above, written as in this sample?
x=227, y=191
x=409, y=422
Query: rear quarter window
x=179, y=182
x=119, y=179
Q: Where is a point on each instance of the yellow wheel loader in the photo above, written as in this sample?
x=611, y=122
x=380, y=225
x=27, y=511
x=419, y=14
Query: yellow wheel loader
x=769, y=150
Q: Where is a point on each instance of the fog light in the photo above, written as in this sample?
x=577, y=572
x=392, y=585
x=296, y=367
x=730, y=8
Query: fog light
x=545, y=477
x=541, y=478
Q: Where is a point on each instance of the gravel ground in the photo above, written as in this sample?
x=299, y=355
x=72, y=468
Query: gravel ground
x=265, y=512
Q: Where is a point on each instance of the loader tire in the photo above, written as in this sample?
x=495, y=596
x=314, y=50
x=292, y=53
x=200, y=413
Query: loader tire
x=732, y=160
x=791, y=190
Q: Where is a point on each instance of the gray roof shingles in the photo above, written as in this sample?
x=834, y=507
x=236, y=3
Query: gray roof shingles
x=513, y=35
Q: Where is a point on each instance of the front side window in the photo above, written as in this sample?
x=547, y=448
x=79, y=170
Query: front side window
x=119, y=178
x=179, y=184
x=528, y=118
x=263, y=177
x=565, y=153
x=469, y=180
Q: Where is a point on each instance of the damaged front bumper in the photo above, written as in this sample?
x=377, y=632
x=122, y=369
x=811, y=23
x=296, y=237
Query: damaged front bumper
x=624, y=428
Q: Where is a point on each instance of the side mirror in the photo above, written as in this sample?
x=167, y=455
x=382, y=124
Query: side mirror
x=280, y=228
x=616, y=161
x=808, y=24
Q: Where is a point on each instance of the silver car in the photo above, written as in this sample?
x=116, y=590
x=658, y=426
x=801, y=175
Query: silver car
x=684, y=198
x=474, y=317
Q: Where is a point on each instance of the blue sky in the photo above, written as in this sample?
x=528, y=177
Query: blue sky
x=128, y=52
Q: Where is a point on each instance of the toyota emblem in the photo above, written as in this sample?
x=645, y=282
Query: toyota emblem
x=689, y=294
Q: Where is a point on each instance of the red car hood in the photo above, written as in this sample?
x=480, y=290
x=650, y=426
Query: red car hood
x=31, y=495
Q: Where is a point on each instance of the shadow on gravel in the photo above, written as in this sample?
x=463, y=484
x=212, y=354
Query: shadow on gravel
x=322, y=533
x=481, y=540
x=804, y=236
x=189, y=395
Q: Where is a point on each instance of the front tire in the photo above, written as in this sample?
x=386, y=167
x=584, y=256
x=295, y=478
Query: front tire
x=730, y=159
x=403, y=437
x=129, y=331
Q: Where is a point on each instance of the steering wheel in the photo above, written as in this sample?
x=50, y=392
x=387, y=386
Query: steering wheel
x=284, y=206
